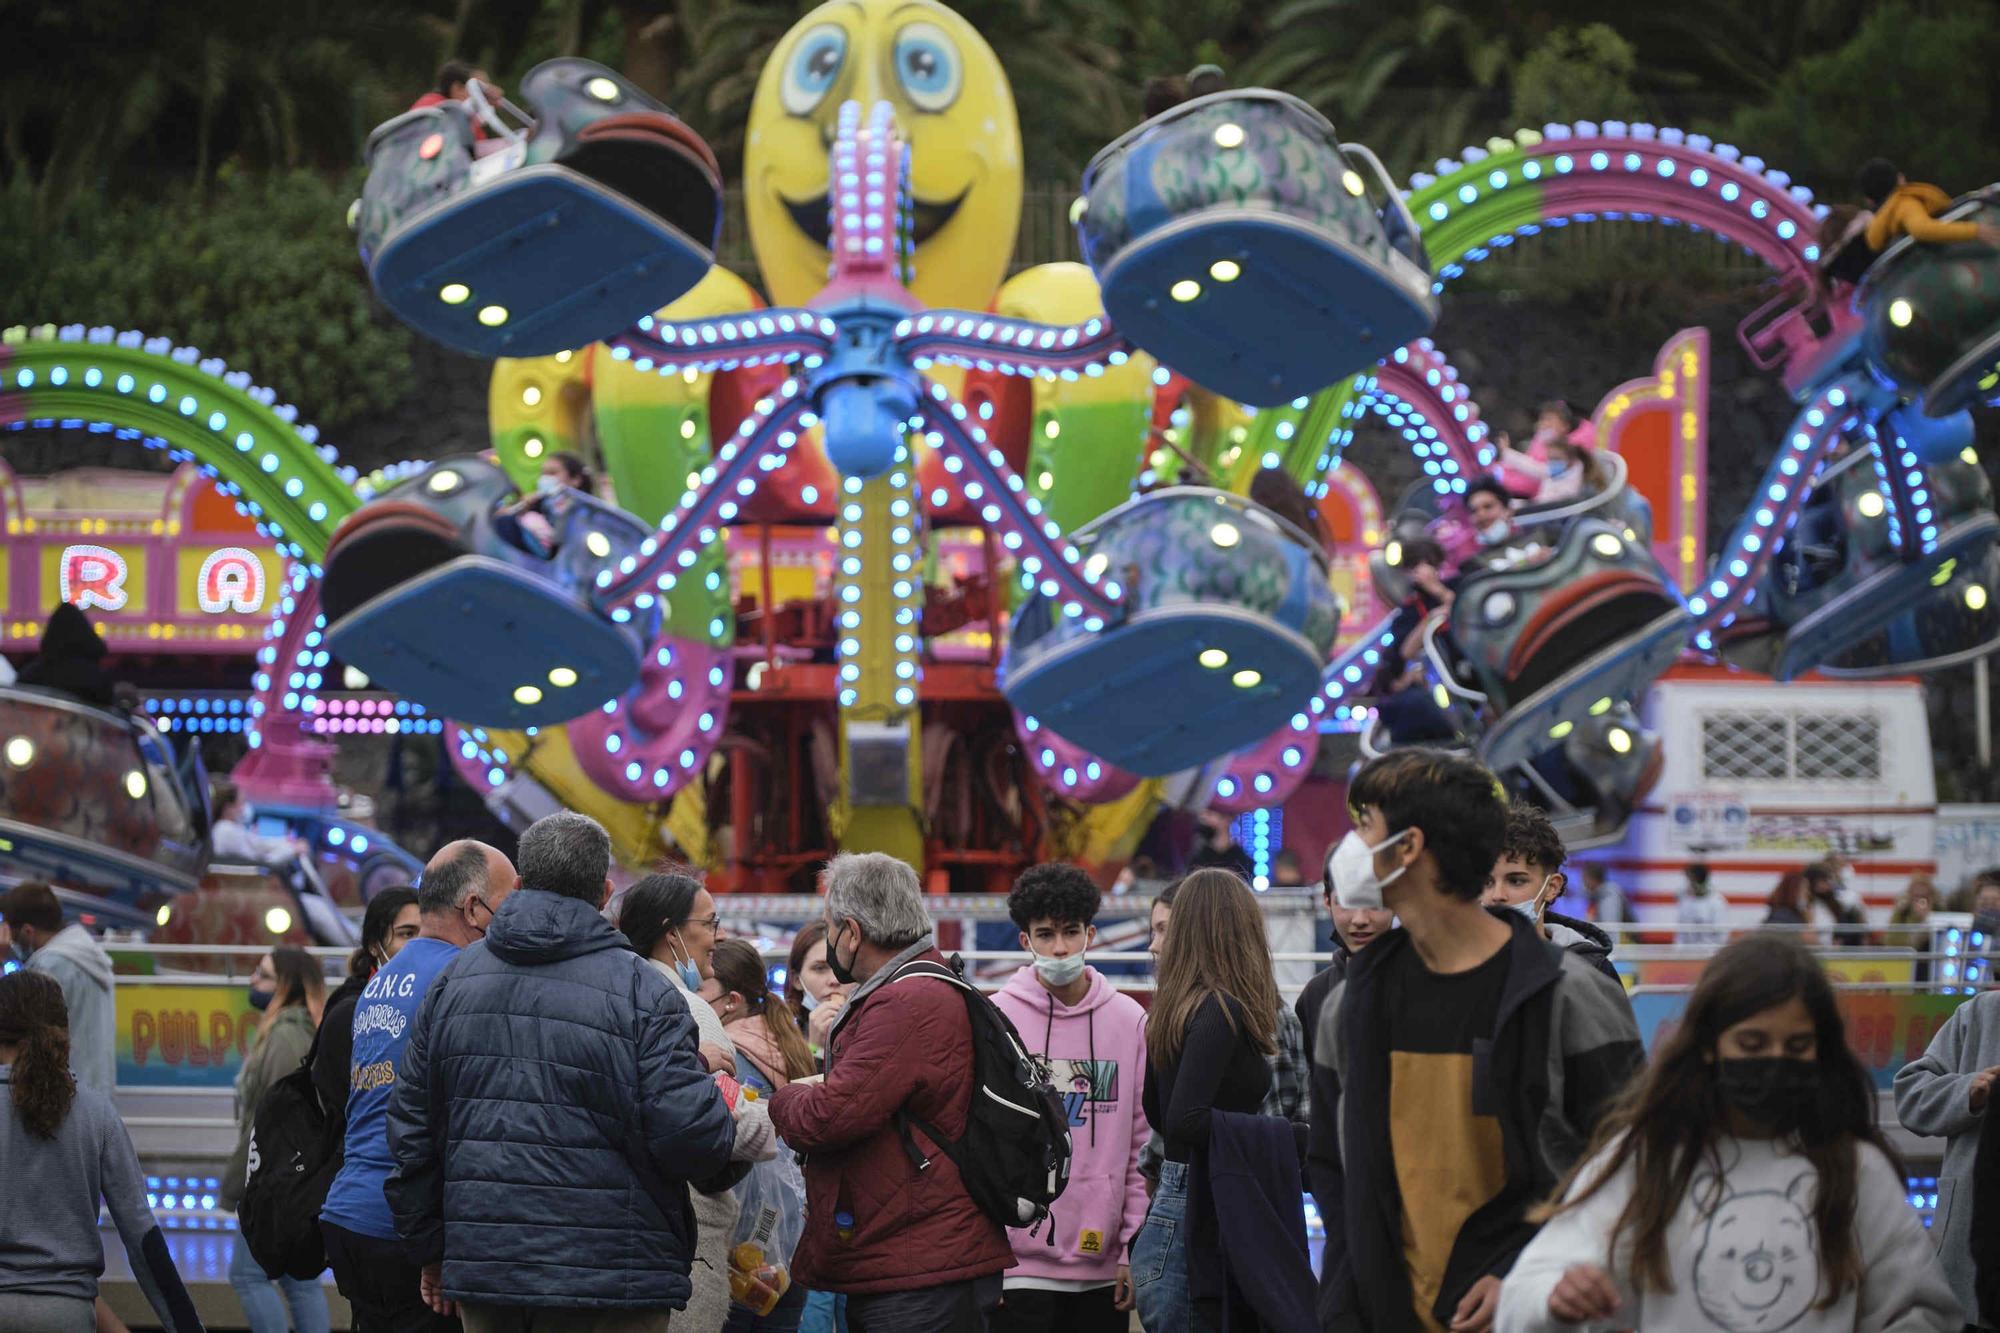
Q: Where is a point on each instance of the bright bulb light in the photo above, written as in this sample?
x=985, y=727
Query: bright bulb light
x=493, y=316
x=1600, y=708
x=20, y=751
x=454, y=293
x=1607, y=545
x=1619, y=739
x=531, y=396
x=532, y=446
x=528, y=694
x=1900, y=313
x=1352, y=180
x=1441, y=695
x=562, y=678
x=603, y=89
x=1560, y=730
x=1185, y=290
x=1975, y=597
x=164, y=915
x=598, y=544
x=1870, y=504
x=354, y=678
x=1224, y=535
x=1213, y=658
x=1229, y=135
x=1225, y=270
x=1247, y=679
x=1392, y=554
x=135, y=784
x=445, y=482
x=278, y=921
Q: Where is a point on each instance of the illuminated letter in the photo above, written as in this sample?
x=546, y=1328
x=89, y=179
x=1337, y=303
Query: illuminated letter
x=232, y=579
x=93, y=576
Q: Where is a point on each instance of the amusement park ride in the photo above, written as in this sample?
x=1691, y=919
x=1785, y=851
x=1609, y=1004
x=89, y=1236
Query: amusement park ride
x=918, y=560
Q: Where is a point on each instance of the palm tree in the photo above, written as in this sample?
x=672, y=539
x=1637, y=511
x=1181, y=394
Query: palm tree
x=1413, y=83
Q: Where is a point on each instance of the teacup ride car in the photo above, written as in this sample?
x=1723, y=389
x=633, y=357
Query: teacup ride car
x=1555, y=637
x=1241, y=243
x=90, y=799
x=1861, y=598
x=427, y=593
x=603, y=209
x=1931, y=314
x=1226, y=622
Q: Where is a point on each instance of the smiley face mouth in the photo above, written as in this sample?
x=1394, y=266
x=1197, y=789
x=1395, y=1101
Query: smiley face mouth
x=811, y=216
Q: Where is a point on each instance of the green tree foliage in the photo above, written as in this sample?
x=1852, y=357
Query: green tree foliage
x=1576, y=74
x=260, y=272
x=105, y=94
x=1913, y=87
x=1415, y=83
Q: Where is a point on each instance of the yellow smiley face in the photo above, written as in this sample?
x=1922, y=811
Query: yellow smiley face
x=955, y=111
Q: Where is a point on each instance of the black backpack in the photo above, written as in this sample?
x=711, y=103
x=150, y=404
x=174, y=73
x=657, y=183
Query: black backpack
x=1014, y=1157
x=295, y=1152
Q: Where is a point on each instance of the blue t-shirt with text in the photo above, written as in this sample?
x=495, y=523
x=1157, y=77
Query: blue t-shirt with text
x=383, y=1019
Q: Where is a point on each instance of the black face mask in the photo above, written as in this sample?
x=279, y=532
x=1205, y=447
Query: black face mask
x=1771, y=1090
x=842, y=972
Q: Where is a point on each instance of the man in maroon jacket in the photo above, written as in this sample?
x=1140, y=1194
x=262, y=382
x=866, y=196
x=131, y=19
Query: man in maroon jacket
x=908, y=1247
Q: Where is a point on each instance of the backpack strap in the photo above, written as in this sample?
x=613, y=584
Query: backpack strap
x=922, y=968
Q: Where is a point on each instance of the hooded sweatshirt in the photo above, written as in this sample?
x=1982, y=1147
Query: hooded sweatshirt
x=1934, y=1097
x=1097, y=1054
x=78, y=963
x=71, y=659
x=1911, y=210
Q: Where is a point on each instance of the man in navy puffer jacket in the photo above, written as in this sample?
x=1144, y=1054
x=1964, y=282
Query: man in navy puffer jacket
x=551, y=1110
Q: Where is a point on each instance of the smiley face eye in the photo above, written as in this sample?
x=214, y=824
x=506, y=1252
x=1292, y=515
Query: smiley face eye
x=928, y=66
x=810, y=75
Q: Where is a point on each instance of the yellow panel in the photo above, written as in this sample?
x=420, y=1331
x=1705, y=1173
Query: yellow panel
x=133, y=585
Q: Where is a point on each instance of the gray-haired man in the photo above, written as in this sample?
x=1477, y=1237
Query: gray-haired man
x=551, y=1110
x=907, y=1246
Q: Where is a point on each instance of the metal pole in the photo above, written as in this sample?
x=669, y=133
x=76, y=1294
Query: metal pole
x=1982, y=710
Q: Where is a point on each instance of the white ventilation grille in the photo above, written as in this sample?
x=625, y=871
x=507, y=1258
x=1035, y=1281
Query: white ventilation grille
x=1768, y=745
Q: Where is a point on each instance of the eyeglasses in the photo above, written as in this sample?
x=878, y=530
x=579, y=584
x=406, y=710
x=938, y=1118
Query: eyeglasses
x=712, y=922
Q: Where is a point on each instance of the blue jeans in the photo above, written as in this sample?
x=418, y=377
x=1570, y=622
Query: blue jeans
x=263, y=1307
x=784, y=1316
x=1160, y=1261
x=825, y=1312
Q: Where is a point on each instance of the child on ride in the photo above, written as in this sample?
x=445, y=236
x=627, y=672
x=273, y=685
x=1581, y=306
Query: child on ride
x=1904, y=207
x=1740, y=1182
x=533, y=521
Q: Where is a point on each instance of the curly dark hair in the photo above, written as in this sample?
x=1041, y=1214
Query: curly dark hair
x=34, y=1018
x=1532, y=839
x=1057, y=891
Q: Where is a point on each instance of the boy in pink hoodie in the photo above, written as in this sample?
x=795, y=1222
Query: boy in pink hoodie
x=1072, y=1274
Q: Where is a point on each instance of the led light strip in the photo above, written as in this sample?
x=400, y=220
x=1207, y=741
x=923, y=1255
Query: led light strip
x=1047, y=561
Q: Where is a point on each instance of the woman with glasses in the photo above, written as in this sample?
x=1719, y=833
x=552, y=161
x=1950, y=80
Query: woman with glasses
x=671, y=922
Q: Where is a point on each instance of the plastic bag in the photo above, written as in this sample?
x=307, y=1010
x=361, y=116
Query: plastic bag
x=773, y=1217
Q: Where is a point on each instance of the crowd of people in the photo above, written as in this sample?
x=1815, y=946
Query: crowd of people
x=560, y=1108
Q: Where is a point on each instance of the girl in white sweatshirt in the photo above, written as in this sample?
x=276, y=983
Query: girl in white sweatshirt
x=1740, y=1183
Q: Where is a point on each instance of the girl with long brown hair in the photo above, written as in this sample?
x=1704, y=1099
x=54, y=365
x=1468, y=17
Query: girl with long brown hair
x=1212, y=1023
x=755, y=1019
x=65, y=1150
x=1740, y=1182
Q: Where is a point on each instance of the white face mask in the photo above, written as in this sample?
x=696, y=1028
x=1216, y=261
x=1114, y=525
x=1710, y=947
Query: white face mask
x=1059, y=971
x=1353, y=870
x=548, y=485
x=1496, y=531
x=1531, y=908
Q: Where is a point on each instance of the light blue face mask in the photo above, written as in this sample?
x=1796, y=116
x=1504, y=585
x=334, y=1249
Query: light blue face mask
x=807, y=1002
x=690, y=975
x=548, y=485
